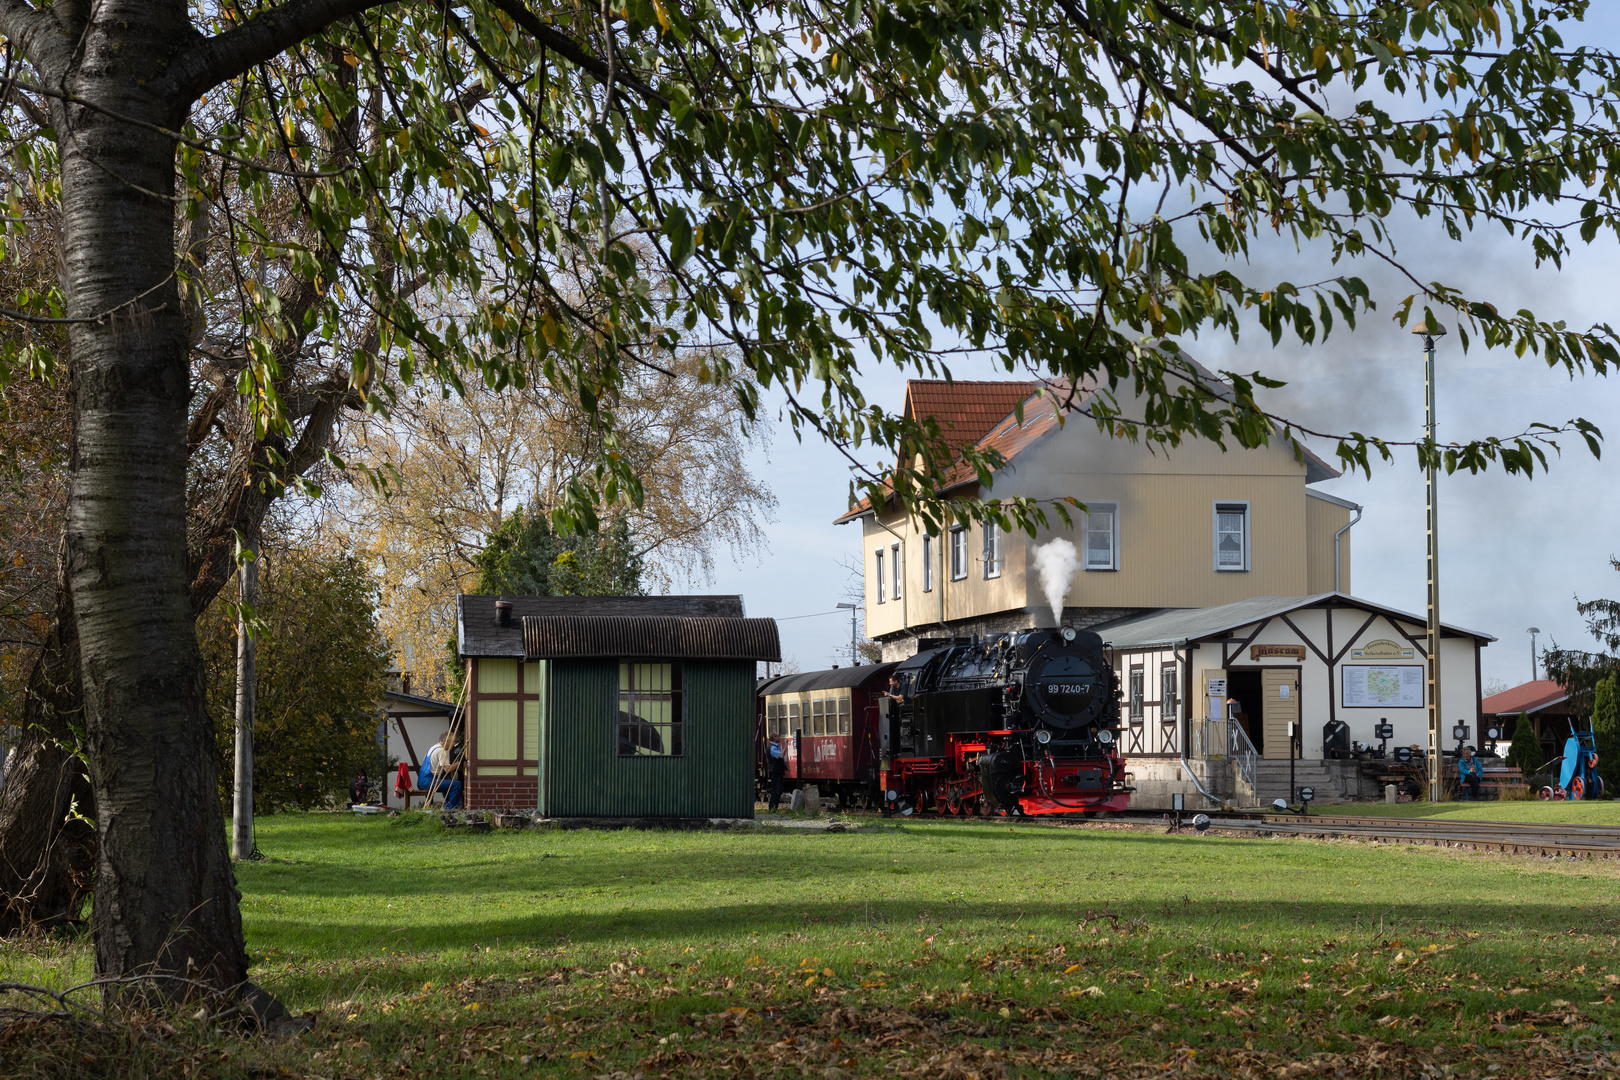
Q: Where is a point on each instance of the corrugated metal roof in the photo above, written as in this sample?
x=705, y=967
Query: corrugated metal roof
x=832, y=679
x=674, y=637
x=1172, y=626
x=478, y=633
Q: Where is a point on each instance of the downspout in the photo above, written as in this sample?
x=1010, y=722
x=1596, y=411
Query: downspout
x=1336, y=536
x=1186, y=731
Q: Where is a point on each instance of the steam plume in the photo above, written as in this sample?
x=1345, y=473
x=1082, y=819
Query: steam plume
x=1056, y=560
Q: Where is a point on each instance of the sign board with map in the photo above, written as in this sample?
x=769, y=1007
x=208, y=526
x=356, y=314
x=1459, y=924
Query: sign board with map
x=1368, y=686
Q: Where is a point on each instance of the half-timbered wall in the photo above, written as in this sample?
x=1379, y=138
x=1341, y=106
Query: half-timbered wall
x=1150, y=714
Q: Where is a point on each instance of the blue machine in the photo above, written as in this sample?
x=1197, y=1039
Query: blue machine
x=1577, y=773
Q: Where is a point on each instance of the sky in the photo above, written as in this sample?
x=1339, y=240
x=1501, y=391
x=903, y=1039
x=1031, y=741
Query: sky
x=1514, y=552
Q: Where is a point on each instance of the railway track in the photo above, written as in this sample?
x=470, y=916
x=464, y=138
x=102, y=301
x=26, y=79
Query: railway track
x=1511, y=837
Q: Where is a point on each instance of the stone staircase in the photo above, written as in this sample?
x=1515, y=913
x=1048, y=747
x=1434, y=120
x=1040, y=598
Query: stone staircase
x=1332, y=781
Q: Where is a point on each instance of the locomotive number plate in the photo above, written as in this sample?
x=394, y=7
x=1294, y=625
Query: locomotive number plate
x=1083, y=779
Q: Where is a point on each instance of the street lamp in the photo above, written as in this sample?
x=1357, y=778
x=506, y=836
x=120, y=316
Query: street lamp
x=1533, y=631
x=854, y=654
x=1428, y=333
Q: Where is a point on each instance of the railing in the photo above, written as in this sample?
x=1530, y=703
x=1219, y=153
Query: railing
x=1210, y=739
x=1243, y=752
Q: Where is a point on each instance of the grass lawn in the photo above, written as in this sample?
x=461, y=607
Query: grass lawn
x=950, y=949
x=1551, y=813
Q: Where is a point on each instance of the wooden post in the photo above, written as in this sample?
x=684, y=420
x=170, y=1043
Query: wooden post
x=246, y=680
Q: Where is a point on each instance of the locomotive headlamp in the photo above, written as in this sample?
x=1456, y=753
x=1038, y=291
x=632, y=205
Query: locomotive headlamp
x=1105, y=736
x=1043, y=736
x=1068, y=633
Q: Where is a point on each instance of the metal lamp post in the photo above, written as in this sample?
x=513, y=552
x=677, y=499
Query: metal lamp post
x=1428, y=333
x=854, y=654
x=1533, y=631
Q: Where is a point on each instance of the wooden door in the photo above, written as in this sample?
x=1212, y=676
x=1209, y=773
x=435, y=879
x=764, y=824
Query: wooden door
x=1280, y=688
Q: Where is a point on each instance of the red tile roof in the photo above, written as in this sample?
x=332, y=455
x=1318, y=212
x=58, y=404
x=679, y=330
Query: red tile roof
x=982, y=413
x=1526, y=697
x=965, y=411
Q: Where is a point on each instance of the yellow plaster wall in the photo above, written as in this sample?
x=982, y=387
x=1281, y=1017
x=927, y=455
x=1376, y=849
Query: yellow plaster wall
x=1322, y=520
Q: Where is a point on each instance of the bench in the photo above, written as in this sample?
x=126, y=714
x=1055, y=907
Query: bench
x=1495, y=783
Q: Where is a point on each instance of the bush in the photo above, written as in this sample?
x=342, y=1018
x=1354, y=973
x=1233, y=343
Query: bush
x=321, y=676
x=1606, y=731
x=1525, y=753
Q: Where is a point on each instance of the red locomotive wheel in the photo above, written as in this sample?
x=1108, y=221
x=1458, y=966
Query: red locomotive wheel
x=1577, y=789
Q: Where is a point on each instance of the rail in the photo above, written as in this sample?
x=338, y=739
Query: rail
x=1244, y=753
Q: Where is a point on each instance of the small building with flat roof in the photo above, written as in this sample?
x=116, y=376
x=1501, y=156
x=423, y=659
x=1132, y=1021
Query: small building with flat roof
x=611, y=706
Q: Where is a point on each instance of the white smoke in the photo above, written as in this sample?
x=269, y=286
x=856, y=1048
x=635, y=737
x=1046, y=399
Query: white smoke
x=1057, y=561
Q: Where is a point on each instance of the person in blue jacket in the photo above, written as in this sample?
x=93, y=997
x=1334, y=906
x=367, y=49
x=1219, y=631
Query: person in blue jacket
x=1469, y=772
x=438, y=772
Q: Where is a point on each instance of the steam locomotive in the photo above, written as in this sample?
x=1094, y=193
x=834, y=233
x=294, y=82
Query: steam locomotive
x=1023, y=723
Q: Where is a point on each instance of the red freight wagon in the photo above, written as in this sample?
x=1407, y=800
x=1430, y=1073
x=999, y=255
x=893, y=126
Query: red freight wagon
x=828, y=725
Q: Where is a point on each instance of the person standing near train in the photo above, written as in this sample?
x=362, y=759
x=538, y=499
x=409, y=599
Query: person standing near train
x=776, y=766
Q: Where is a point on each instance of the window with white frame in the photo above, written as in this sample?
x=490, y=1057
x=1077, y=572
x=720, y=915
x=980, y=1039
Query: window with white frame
x=958, y=553
x=992, y=550
x=1231, y=536
x=1102, y=536
x=899, y=570
x=928, y=564
x=877, y=556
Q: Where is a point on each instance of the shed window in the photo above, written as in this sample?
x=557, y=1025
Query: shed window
x=1102, y=537
x=650, y=710
x=1231, y=536
x=958, y=553
x=1137, y=679
x=878, y=558
x=1169, y=698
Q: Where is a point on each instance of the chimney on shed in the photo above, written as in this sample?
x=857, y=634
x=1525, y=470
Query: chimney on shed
x=503, y=613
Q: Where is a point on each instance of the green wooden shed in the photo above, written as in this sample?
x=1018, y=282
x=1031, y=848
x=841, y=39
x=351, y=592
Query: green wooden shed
x=612, y=706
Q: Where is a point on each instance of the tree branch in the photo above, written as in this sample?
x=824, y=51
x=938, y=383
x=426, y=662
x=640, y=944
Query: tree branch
x=32, y=31
x=224, y=56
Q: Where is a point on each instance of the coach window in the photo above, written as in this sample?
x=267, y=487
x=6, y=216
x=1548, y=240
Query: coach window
x=1231, y=536
x=843, y=713
x=818, y=717
x=794, y=720
x=878, y=557
x=958, y=553
x=1137, y=679
x=928, y=563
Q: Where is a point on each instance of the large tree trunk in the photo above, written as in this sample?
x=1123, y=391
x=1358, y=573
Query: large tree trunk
x=165, y=898
x=47, y=847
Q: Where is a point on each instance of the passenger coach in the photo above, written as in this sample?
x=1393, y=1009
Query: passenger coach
x=828, y=725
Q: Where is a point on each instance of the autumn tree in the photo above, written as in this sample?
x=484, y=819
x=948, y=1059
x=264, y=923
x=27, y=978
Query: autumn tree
x=822, y=188
x=463, y=471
